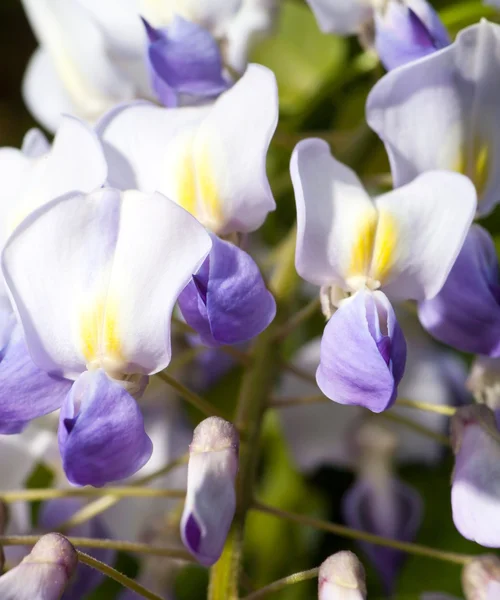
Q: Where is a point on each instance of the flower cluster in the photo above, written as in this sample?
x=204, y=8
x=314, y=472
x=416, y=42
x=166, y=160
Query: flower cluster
x=129, y=245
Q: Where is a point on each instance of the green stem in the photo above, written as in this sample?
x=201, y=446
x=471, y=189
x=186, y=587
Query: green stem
x=32, y=495
x=441, y=409
x=343, y=531
x=117, y=576
x=281, y=584
x=31, y=540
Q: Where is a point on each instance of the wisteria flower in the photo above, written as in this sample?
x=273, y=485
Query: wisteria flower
x=363, y=252
x=210, y=160
x=104, y=319
x=440, y=113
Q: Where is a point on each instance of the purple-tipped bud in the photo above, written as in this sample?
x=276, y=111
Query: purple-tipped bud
x=342, y=577
x=475, y=496
x=44, y=573
x=406, y=30
x=211, y=496
x=481, y=578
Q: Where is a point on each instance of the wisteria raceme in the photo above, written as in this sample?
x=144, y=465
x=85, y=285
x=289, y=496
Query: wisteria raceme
x=215, y=335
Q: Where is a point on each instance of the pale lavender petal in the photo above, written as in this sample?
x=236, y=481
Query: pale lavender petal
x=227, y=301
x=363, y=353
x=475, y=490
x=56, y=512
x=466, y=312
x=27, y=392
x=211, y=497
x=391, y=510
x=184, y=60
x=101, y=432
x=44, y=573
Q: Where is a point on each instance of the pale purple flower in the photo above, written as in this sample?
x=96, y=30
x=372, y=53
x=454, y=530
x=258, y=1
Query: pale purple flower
x=211, y=497
x=104, y=320
x=475, y=495
x=441, y=112
x=481, y=578
x=363, y=252
x=210, y=160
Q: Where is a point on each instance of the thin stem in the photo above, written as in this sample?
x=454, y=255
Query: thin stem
x=343, y=531
x=422, y=429
x=299, y=317
x=280, y=584
x=277, y=402
x=32, y=495
x=184, y=358
x=441, y=409
x=123, y=546
x=97, y=507
x=117, y=576
x=194, y=399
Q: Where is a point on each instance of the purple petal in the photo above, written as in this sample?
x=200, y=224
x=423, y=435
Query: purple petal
x=392, y=510
x=466, y=312
x=475, y=494
x=52, y=515
x=101, y=432
x=184, y=59
x=405, y=33
x=27, y=392
x=363, y=353
x=237, y=305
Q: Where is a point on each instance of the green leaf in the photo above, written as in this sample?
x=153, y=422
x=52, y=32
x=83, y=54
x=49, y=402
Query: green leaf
x=303, y=59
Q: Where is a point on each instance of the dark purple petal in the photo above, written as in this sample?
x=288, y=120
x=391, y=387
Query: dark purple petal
x=466, y=312
x=27, y=392
x=404, y=34
x=101, y=432
x=192, y=534
x=56, y=512
x=391, y=510
x=237, y=305
x=359, y=366
x=184, y=59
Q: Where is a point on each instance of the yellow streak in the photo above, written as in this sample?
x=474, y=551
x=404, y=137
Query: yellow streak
x=478, y=168
x=210, y=200
x=384, y=247
x=363, y=246
x=99, y=332
x=186, y=179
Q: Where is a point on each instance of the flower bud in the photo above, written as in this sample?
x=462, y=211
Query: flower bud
x=342, y=577
x=211, y=497
x=481, y=578
x=484, y=381
x=44, y=573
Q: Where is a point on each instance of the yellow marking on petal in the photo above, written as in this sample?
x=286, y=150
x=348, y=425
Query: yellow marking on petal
x=384, y=247
x=363, y=246
x=477, y=166
x=186, y=181
x=211, y=213
x=99, y=333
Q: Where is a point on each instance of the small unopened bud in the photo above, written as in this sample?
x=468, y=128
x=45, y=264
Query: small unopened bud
x=481, y=578
x=484, y=381
x=44, y=573
x=211, y=497
x=342, y=577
